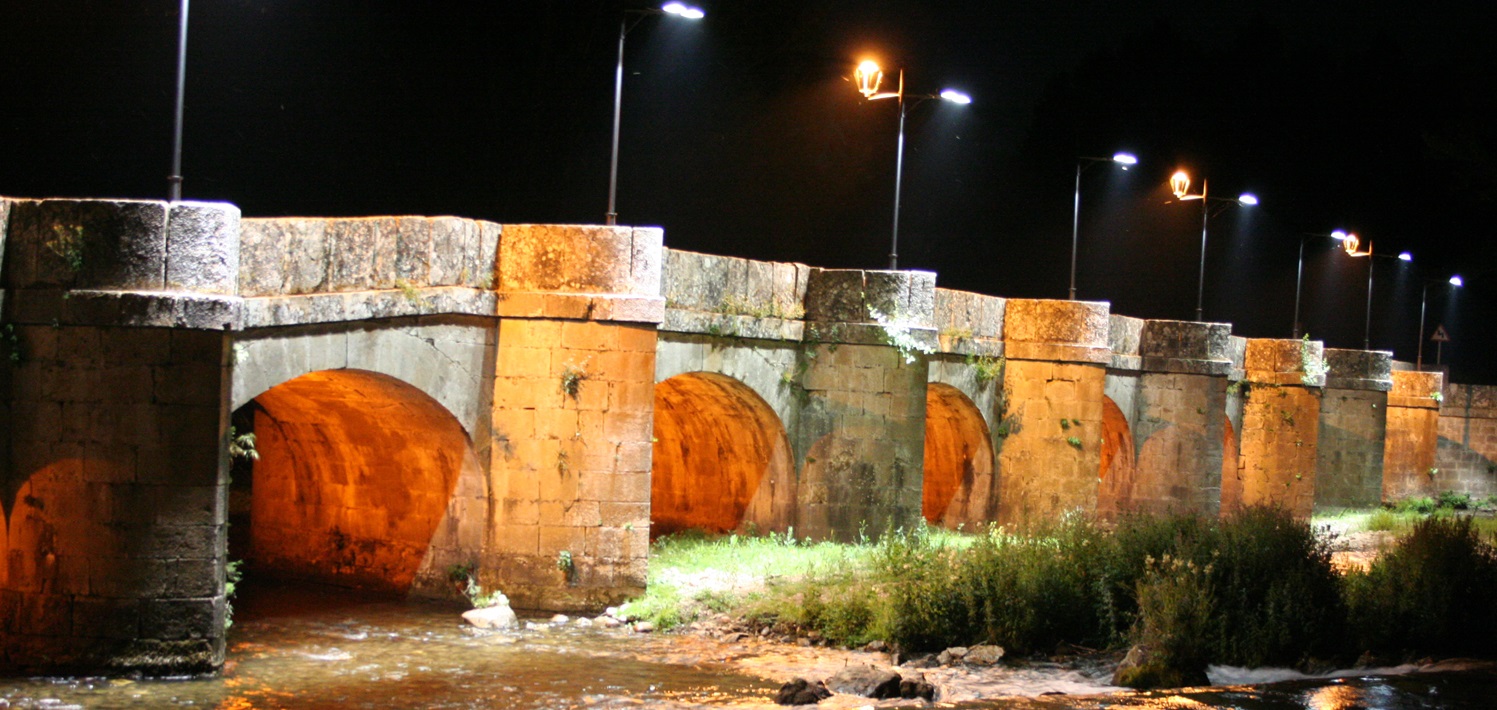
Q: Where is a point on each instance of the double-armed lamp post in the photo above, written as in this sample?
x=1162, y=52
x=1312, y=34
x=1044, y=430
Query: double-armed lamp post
x=1353, y=245
x=1180, y=185
x=870, y=77
x=629, y=20
x=1124, y=160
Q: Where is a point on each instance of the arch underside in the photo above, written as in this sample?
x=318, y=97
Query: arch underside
x=958, y=488
x=721, y=458
x=354, y=476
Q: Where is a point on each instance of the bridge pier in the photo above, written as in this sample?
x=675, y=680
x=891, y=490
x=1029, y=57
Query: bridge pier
x=1172, y=391
x=1413, y=426
x=1052, y=408
x=1280, y=426
x=1353, y=428
x=114, y=483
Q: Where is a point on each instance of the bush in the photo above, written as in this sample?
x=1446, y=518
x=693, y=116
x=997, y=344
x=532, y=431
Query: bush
x=1176, y=603
x=1278, y=597
x=1431, y=594
x=1454, y=501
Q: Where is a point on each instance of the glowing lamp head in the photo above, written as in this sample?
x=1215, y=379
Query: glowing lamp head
x=1405, y=256
x=1338, y=235
x=1456, y=281
x=682, y=10
x=1247, y=199
x=1125, y=159
x=1180, y=183
x=868, y=76
x=956, y=97
x=1352, y=244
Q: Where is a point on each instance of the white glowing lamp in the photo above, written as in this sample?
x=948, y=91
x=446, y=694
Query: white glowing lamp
x=683, y=10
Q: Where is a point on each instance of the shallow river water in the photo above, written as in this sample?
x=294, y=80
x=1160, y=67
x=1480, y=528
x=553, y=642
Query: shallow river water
x=308, y=648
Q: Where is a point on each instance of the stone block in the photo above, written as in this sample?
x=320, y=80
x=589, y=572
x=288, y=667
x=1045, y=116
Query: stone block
x=1057, y=331
x=415, y=251
x=108, y=244
x=176, y=619
x=202, y=247
x=1359, y=369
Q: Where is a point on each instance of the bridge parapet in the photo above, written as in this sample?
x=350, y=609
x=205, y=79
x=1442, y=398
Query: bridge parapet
x=968, y=323
x=722, y=295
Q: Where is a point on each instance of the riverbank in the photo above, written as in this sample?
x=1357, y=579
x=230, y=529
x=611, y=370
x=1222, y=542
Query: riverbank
x=1259, y=590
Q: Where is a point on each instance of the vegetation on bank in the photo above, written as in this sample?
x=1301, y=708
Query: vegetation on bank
x=1254, y=589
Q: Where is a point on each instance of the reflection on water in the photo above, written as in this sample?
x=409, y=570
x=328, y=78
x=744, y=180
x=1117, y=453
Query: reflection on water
x=327, y=649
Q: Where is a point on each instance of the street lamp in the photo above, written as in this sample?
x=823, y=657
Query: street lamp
x=1351, y=244
x=671, y=8
x=869, y=77
x=1180, y=185
x=1454, y=282
x=1124, y=160
x=174, y=180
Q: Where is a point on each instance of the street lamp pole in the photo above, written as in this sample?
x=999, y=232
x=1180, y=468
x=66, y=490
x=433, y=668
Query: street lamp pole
x=898, y=180
x=1201, y=279
x=1082, y=163
x=174, y=180
x=1454, y=282
x=1299, y=274
x=869, y=76
x=670, y=8
x=1351, y=243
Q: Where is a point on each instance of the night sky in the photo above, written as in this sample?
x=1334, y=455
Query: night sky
x=743, y=135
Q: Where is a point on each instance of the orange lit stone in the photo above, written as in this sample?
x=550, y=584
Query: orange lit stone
x=958, y=485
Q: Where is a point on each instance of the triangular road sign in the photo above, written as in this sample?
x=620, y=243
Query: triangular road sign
x=1440, y=335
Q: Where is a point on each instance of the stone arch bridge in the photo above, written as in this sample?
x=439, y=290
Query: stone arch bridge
x=536, y=400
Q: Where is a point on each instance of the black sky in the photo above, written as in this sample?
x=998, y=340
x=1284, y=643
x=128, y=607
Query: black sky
x=743, y=136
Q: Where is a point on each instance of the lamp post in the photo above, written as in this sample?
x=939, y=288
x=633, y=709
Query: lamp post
x=1454, y=282
x=869, y=76
x=1351, y=243
x=174, y=180
x=1338, y=235
x=671, y=8
x=1180, y=185
x=1082, y=163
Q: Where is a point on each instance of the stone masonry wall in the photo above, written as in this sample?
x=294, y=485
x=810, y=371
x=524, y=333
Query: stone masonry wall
x=1467, y=457
x=1053, y=387
x=1353, y=428
x=113, y=493
x=1412, y=435
x=1280, y=426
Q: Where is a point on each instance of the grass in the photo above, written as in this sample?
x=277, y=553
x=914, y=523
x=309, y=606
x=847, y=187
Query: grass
x=1254, y=589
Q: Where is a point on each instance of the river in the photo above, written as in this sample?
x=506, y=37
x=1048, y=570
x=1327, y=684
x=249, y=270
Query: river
x=303, y=647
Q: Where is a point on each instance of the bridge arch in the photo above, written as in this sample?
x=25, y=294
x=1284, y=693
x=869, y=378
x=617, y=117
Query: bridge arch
x=721, y=458
x=1118, y=470
x=353, y=480
x=444, y=357
x=957, y=489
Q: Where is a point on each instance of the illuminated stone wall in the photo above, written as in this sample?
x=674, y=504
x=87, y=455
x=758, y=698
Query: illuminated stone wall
x=1053, y=391
x=1280, y=426
x=1412, y=435
x=113, y=478
x=1172, y=377
x=1353, y=428
x=1467, y=458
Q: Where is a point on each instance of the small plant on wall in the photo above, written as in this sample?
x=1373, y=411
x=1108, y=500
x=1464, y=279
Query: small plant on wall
x=571, y=380
x=567, y=567
x=67, y=244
